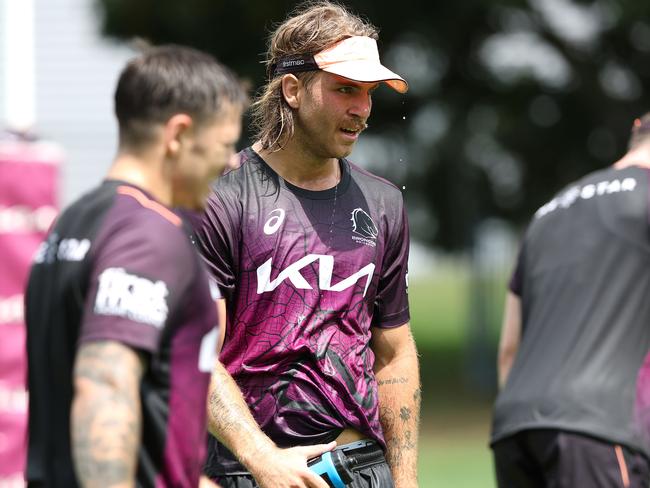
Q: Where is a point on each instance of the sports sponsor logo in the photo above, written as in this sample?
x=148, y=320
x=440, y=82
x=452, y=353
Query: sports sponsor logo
x=293, y=62
x=325, y=272
x=127, y=295
x=274, y=222
x=11, y=309
x=20, y=219
x=364, y=227
x=586, y=192
x=69, y=249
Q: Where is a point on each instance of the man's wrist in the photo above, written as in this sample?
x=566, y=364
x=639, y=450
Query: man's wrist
x=261, y=451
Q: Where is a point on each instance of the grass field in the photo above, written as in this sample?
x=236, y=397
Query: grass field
x=453, y=447
x=455, y=415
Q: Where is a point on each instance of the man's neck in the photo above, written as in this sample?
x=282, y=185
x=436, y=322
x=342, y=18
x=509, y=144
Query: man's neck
x=142, y=172
x=639, y=156
x=300, y=168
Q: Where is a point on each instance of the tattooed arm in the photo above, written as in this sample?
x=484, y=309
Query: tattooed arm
x=105, y=419
x=398, y=380
x=230, y=420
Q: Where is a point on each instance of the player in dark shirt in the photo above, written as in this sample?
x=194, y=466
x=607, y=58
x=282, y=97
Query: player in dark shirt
x=573, y=359
x=121, y=324
x=311, y=252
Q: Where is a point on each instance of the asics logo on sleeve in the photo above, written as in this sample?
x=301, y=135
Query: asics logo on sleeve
x=325, y=272
x=275, y=221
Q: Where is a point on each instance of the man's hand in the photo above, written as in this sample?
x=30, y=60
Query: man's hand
x=287, y=468
x=231, y=422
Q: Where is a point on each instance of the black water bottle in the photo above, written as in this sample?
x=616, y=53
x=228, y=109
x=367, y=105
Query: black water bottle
x=334, y=467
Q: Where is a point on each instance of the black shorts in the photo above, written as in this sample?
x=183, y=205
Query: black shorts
x=560, y=459
x=374, y=473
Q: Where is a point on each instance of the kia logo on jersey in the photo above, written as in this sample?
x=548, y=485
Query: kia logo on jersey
x=293, y=273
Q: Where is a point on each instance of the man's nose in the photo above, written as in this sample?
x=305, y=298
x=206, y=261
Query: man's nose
x=361, y=107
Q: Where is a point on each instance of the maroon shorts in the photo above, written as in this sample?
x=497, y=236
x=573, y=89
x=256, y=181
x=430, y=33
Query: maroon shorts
x=548, y=458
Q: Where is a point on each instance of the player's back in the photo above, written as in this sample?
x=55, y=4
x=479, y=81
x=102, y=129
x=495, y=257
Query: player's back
x=583, y=282
x=119, y=266
x=54, y=303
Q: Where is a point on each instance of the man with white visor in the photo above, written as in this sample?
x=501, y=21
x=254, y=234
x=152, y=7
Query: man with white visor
x=310, y=253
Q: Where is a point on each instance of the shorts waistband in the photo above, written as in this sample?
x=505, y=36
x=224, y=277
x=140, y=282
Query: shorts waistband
x=363, y=453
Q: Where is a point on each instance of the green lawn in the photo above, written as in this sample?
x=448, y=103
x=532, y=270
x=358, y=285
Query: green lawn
x=455, y=419
x=459, y=465
x=453, y=446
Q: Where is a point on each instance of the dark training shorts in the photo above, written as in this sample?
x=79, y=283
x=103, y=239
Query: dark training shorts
x=560, y=459
x=374, y=473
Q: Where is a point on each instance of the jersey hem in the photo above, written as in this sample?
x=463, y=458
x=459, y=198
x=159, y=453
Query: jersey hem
x=590, y=430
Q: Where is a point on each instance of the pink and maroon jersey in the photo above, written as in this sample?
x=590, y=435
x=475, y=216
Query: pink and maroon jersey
x=305, y=274
x=120, y=266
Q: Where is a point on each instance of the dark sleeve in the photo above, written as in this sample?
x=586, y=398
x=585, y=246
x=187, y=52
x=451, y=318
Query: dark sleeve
x=516, y=280
x=216, y=235
x=141, y=267
x=391, y=302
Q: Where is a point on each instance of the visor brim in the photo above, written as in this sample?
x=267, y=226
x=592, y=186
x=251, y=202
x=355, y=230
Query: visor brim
x=368, y=73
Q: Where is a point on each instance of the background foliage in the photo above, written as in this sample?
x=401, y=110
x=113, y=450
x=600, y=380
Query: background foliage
x=509, y=99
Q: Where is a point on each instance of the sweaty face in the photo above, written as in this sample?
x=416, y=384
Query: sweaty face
x=332, y=113
x=207, y=151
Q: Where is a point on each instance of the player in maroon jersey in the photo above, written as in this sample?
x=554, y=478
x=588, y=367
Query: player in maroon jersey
x=310, y=252
x=121, y=322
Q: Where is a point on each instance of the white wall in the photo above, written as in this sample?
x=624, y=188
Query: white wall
x=75, y=73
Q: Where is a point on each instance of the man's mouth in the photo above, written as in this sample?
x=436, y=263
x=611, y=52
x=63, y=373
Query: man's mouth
x=354, y=129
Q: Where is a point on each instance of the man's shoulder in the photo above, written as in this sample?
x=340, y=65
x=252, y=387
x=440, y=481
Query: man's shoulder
x=236, y=178
x=368, y=179
x=139, y=219
x=134, y=205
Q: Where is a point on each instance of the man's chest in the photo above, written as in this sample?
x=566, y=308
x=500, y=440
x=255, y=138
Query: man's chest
x=311, y=244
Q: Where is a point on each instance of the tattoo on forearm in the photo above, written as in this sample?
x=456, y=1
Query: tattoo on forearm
x=229, y=414
x=408, y=442
x=387, y=417
x=106, y=414
x=401, y=434
x=417, y=396
x=393, y=381
x=405, y=414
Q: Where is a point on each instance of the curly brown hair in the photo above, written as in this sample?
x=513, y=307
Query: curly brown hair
x=312, y=27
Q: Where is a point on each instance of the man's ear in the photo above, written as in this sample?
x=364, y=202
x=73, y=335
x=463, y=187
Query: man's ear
x=291, y=90
x=175, y=129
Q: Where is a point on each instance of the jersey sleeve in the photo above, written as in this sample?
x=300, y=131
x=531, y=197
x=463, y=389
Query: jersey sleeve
x=391, y=302
x=141, y=268
x=215, y=237
x=516, y=283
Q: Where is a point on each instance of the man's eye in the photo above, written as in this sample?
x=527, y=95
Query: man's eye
x=346, y=89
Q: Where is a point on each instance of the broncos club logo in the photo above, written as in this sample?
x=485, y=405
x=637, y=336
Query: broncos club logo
x=363, y=225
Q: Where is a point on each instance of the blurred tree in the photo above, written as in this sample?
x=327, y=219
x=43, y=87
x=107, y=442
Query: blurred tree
x=509, y=99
